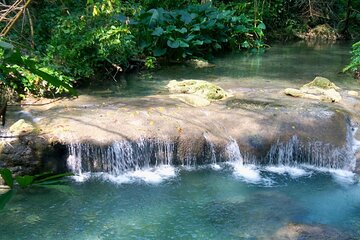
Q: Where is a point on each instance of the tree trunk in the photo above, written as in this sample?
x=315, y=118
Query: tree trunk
x=345, y=30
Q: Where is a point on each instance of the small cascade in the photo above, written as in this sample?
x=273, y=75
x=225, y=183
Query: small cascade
x=233, y=152
x=119, y=157
x=316, y=154
x=155, y=159
x=211, y=148
x=246, y=172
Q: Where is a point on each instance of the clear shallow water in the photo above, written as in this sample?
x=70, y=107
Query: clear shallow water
x=219, y=202
x=282, y=65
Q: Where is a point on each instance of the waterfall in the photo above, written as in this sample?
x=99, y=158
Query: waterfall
x=233, y=152
x=119, y=157
x=125, y=157
x=314, y=153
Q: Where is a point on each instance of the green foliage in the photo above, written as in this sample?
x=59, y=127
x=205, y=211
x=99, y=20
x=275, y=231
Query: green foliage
x=24, y=181
x=150, y=62
x=7, y=176
x=24, y=74
x=82, y=44
x=355, y=59
x=47, y=180
x=5, y=198
x=27, y=180
x=196, y=31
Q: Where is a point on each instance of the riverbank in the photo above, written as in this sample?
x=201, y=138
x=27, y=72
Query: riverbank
x=258, y=116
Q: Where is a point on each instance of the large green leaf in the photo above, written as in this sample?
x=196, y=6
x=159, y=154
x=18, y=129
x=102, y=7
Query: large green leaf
x=173, y=43
x=186, y=17
x=182, y=30
x=53, y=177
x=24, y=181
x=183, y=44
x=5, y=45
x=261, y=26
x=156, y=17
x=159, y=51
x=5, y=198
x=7, y=176
x=158, y=31
x=197, y=43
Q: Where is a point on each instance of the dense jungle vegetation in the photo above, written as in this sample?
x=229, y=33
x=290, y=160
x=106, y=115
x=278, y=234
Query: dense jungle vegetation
x=59, y=44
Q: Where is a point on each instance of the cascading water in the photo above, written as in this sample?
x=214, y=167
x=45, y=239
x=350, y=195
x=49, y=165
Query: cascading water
x=317, y=154
x=125, y=157
x=248, y=172
x=213, y=159
x=122, y=158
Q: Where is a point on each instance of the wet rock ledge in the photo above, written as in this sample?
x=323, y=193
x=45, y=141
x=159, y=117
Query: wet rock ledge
x=160, y=129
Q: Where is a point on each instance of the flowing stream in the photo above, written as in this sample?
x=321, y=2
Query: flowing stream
x=141, y=190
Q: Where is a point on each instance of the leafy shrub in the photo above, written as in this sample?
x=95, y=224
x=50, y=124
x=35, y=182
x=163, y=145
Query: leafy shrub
x=197, y=31
x=26, y=75
x=81, y=44
x=354, y=65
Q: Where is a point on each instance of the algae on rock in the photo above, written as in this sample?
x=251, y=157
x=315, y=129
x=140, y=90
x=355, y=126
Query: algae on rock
x=319, y=89
x=196, y=92
x=321, y=82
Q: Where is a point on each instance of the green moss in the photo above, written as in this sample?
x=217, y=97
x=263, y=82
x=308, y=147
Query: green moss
x=198, y=87
x=321, y=82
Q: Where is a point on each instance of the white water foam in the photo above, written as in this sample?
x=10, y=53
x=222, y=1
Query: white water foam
x=292, y=171
x=248, y=173
x=154, y=175
x=215, y=167
x=339, y=175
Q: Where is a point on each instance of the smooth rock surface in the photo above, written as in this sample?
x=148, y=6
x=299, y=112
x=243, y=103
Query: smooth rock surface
x=21, y=127
x=191, y=99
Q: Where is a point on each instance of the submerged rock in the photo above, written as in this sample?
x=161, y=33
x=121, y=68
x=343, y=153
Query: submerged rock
x=319, y=89
x=198, y=63
x=196, y=93
x=293, y=231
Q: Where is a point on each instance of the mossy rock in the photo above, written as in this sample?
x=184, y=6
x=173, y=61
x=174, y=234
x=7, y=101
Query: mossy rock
x=319, y=89
x=200, y=88
x=321, y=82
